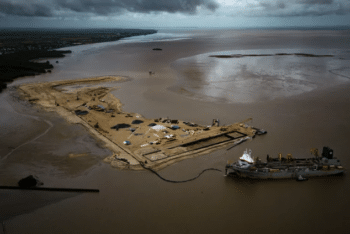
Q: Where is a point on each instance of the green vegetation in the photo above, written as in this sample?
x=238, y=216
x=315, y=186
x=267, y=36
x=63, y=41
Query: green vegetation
x=18, y=47
x=18, y=64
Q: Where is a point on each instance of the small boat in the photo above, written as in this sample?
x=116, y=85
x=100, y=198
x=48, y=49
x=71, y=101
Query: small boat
x=301, y=178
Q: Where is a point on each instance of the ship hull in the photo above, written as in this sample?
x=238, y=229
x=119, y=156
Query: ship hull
x=244, y=173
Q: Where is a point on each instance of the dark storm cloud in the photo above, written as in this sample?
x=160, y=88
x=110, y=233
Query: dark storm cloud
x=24, y=9
x=102, y=7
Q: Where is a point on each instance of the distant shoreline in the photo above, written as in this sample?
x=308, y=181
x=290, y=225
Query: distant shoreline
x=19, y=47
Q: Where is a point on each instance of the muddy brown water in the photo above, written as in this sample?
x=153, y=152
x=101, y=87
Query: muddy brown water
x=301, y=102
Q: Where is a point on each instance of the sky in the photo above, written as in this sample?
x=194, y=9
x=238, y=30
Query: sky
x=173, y=13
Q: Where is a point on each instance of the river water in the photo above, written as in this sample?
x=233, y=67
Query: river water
x=303, y=102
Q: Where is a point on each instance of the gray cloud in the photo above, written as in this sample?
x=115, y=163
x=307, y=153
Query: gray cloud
x=102, y=7
x=316, y=2
x=273, y=6
x=309, y=13
x=24, y=9
x=295, y=8
x=89, y=8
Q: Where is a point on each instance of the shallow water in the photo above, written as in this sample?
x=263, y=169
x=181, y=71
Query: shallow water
x=259, y=79
x=301, y=102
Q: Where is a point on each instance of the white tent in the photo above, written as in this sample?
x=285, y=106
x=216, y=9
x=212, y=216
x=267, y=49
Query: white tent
x=158, y=127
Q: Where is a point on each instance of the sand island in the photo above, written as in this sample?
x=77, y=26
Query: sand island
x=133, y=139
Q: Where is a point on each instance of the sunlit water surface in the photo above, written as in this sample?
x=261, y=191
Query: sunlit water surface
x=261, y=78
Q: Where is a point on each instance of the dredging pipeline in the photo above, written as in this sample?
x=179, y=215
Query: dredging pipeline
x=178, y=181
x=52, y=189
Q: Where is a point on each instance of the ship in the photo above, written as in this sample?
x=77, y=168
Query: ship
x=286, y=167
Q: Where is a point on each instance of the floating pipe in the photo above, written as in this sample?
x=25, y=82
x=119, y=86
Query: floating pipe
x=53, y=189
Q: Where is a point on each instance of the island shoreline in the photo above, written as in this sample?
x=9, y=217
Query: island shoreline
x=97, y=110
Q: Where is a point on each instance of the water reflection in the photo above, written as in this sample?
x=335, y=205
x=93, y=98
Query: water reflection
x=260, y=78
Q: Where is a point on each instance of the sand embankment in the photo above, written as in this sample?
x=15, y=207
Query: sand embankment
x=131, y=137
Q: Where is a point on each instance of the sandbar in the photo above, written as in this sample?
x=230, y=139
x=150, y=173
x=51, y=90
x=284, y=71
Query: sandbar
x=133, y=139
